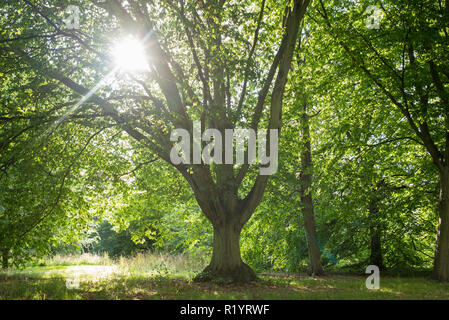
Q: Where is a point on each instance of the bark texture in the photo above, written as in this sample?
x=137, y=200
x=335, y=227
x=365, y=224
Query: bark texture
x=226, y=263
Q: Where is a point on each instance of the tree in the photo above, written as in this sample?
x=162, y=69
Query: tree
x=306, y=171
x=357, y=142
x=305, y=180
x=200, y=82
x=43, y=195
x=406, y=61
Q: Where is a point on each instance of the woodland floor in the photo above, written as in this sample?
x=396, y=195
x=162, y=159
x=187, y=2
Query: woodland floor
x=108, y=282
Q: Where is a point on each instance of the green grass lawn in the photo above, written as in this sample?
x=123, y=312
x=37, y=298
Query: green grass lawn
x=113, y=282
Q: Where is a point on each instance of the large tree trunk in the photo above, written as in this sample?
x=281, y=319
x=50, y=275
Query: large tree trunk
x=226, y=264
x=5, y=259
x=315, y=267
x=375, y=243
x=441, y=260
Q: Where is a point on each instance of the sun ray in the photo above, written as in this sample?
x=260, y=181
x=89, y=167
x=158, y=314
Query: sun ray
x=130, y=50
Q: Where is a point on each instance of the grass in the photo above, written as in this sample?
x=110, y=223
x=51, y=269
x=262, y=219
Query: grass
x=162, y=276
x=75, y=260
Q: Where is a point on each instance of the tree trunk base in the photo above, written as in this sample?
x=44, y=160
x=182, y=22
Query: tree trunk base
x=315, y=273
x=240, y=274
x=442, y=276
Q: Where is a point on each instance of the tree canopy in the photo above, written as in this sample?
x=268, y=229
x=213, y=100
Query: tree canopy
x=91, y=93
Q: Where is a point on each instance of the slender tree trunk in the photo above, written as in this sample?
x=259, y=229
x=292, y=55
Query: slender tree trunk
x=374, y=228
x=5, y=259
x=441, y=260
x=376, y=248
x=375, y=243
x=226, y=263
x=315, y=267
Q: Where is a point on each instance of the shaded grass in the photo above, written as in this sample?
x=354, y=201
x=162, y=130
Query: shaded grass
x=267, y=287
x=26, y=288
x=162, y=276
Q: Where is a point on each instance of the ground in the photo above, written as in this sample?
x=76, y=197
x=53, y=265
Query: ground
x=115, y=282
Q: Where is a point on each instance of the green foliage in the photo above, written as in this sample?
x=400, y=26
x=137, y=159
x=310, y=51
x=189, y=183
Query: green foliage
x=116, y=244
x=64, y=172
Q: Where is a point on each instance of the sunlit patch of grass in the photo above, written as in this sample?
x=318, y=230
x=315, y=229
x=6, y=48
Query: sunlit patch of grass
x=160, y=264
x=75, y=260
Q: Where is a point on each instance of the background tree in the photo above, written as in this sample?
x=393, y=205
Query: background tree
x=406, y=60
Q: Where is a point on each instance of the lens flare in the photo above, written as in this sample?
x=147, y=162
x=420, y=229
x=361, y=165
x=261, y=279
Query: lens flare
x=130, y=56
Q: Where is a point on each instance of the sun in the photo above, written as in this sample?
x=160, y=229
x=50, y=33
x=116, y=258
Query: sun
x=130, y=56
